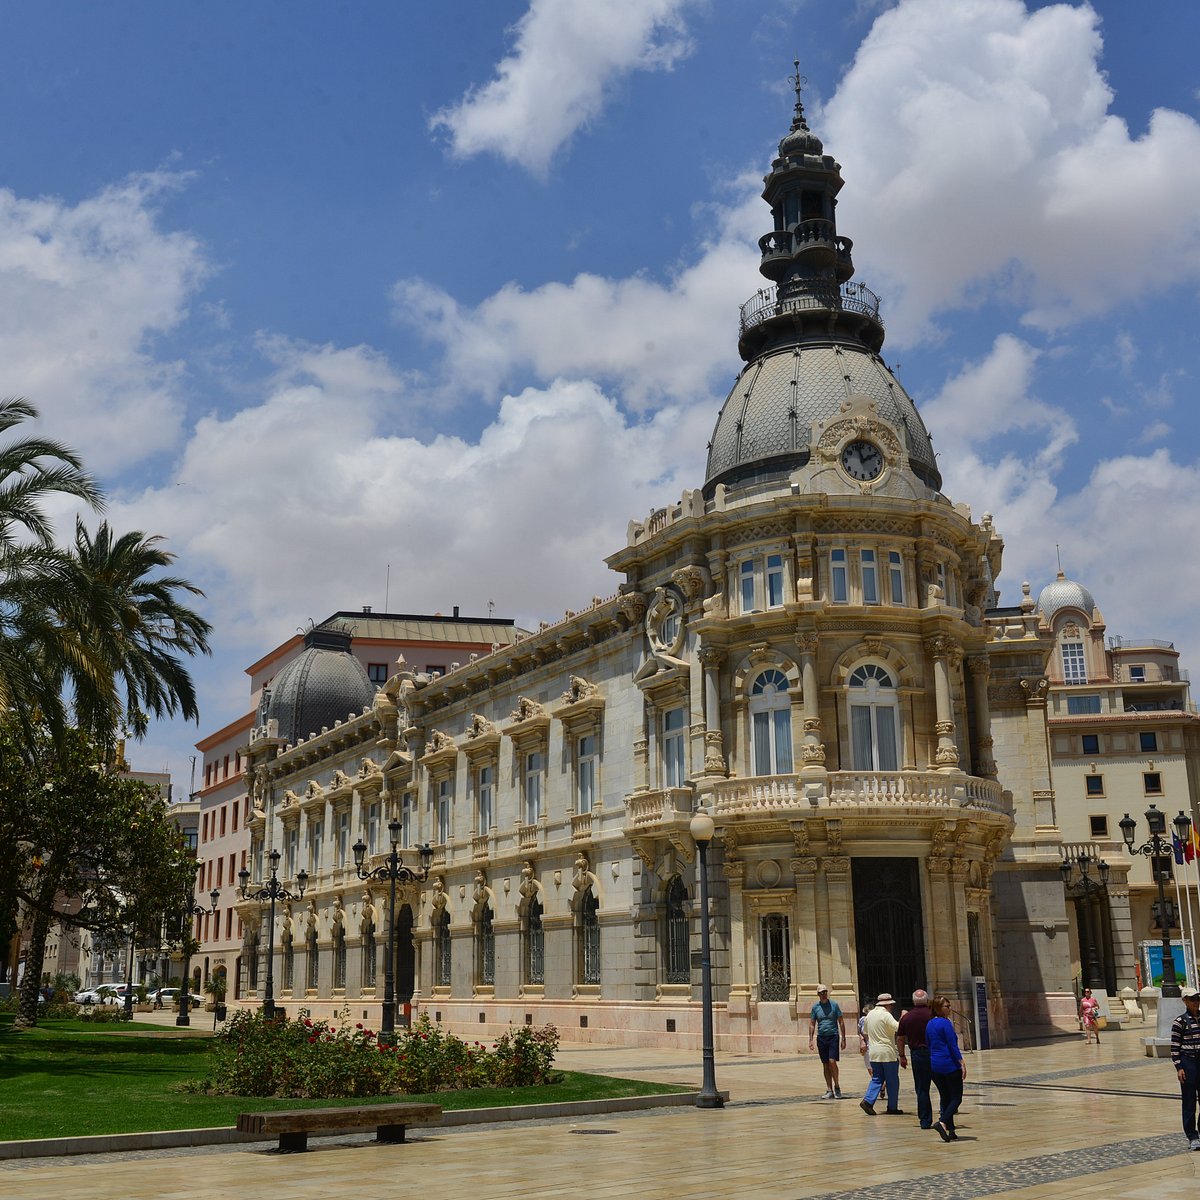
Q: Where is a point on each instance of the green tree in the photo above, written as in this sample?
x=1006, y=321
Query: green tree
x=93, y=849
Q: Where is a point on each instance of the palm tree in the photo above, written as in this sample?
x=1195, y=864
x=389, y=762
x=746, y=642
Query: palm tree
x=40, y=655
x=134, y=618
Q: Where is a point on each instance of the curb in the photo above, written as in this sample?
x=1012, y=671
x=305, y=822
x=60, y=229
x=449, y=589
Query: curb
x=167, y=1139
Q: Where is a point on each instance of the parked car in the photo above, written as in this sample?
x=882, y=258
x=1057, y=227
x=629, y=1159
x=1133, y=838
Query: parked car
x=102, y=993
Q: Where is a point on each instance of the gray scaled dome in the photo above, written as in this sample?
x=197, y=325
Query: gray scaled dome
x=326, y=683
x=1064, y=593
x=766, y=425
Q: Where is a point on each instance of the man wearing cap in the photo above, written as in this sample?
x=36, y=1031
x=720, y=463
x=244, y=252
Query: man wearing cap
x=911, y=1037
x=827, y=1025
x=1185, y=1058
x=880, y=1028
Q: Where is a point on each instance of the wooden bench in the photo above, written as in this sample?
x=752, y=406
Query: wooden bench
x=294, y=1125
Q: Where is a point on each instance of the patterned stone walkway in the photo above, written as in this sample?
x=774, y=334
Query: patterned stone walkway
x=1059, y=1120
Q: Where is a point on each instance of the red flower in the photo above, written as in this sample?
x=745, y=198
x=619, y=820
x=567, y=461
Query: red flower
x=358, y=1025
x=311, y=1040
x=307, y=1023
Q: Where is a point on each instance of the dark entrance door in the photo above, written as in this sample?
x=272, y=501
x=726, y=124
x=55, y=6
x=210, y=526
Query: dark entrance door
x=888, y=927
x=406, y=956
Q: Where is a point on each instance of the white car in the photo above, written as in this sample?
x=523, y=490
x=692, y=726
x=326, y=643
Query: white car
x=102, y=993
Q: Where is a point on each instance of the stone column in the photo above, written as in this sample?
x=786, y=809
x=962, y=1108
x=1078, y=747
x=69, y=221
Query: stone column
x=641, y=750
x=839, y=972
x=980, y=667
x=942, y=649
x=714, y=743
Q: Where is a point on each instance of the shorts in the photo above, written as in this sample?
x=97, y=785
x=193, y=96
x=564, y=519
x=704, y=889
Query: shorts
x=829, y=1047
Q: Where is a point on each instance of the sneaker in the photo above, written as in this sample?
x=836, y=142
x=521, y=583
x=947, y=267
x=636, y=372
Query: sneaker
x=869, y=1109
x=837, y=1093
x=1194, y=1144
x=827, y=1096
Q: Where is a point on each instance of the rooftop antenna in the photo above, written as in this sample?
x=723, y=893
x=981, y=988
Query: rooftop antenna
x=192, y=789
x=798, y=81
x=1058, y=555
x=491, y=608
x=387, y=587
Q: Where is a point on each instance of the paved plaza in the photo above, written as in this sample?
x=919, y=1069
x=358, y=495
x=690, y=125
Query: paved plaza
x=1056, y=1119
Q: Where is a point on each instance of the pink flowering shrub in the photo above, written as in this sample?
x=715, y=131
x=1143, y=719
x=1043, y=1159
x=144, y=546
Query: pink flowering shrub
x=310, y=1058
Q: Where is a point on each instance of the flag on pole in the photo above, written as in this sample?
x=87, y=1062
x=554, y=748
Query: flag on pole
x=1177, y=847
x=1193, y=846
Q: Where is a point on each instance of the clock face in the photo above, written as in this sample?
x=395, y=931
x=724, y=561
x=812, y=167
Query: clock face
x=862, y=460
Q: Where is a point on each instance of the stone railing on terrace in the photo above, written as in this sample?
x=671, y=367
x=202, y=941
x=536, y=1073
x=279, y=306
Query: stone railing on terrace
x=581, y=826
x=647, y=811
x=780, y=793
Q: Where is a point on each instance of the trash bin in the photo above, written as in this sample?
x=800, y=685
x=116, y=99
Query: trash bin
x=220, y=1012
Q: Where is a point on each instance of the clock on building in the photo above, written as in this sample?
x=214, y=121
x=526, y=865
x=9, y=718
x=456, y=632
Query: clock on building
x=862, y=460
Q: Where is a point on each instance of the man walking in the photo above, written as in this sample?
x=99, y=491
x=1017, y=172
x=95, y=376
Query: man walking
x=1185, y=1058
x=827, y=1025
x=881, y=1029
x=910, y=1037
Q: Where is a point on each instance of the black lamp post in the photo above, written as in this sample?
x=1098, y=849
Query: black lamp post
x=391, y=870
x=1088, y=887
x=1159, y=846
x=271, y=891
x=185, y=992
x=702, y=829
x=129, y=978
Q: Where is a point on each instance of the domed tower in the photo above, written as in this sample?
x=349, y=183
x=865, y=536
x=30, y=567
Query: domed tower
x=815, y=659
x=811, y=341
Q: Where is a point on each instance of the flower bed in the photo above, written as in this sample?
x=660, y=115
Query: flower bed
x=316, y=1059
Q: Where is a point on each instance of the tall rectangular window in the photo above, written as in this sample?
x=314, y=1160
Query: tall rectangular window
x=1091, y=743
x=746, y=573
x=1147, y=741
x=291, y=851
x=377, y=673
x=373, y=828
x=343, y=838
x=316, y=835
x=585, y=797
x=444, y=790
x=837, y=576
x=406, y=821
x=1074, y=664
x=673, y=748
x=485, y=786
x=535, y=762
x=870, y=582
x=774, y=580
x=896, y=576
x=1093, y=785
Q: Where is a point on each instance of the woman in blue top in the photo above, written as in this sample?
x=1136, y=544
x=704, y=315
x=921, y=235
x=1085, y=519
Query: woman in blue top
x=946, y=1066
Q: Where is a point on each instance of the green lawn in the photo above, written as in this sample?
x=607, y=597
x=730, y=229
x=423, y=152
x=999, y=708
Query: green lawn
x=68, y=1078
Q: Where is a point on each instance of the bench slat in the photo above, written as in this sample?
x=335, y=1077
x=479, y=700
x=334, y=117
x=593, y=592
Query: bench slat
x=310, y=1120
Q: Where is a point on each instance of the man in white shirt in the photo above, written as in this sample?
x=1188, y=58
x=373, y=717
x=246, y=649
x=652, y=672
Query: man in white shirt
x=880, y=1028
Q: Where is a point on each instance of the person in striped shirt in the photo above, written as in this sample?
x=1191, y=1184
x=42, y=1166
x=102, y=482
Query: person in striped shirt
x=1185, y=1058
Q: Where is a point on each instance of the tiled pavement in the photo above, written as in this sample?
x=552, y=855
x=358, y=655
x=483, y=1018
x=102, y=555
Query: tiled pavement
x=1061, y=1119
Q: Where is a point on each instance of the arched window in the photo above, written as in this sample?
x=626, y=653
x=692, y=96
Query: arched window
x=677, y=967
x=485, y=948
x=314, y=962
x=589, y=939
x=369, y=957
x=339, y=957
x=442, y=950
x=873, y=711
x=771, y=723
x=534, y=950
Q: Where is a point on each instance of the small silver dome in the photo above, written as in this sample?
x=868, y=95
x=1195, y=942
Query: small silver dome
x=1064, y=593
x=769, y=416
x=326, y=683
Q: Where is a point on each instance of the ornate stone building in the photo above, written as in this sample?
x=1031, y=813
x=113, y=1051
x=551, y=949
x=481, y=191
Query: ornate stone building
x=801, y=645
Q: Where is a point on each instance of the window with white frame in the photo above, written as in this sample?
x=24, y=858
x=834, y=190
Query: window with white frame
x=445, y=793
x=1074, y=663
x=760, y=582
x=372, y=838
x=535, y=767
x=316, y=835
x=406, y=821
x=873, y=719
x=674, y=748
x=838, y=586
x=771, y=723
x=485, y=791
x=291, y=853
x=870, y=576
x=896, y=576
x=343, y=837
x=585, y=773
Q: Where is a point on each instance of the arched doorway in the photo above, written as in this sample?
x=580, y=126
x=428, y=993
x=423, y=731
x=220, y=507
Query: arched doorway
x=406, y=956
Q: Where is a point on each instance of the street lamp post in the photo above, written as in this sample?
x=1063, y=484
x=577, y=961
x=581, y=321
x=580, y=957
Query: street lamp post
x=702, y=829
x=271, y=891
x=1158, y=847
x=1086, y=886
x=391, y=870
x=185, y=993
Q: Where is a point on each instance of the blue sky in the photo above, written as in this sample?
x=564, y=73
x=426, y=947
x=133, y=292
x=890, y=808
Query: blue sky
x=321, y=290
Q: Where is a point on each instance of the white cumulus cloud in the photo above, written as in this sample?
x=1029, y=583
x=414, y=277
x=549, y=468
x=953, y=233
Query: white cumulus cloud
x=565, y=60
